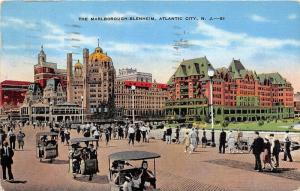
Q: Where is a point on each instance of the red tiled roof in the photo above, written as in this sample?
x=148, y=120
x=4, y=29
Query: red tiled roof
x=15, y=83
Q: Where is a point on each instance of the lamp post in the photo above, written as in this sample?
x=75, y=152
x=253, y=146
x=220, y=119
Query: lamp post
x=81, y=109
x=50, y=113
x=211, y=73
x=133, y=89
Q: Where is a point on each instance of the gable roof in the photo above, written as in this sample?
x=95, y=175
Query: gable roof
x=197, y=66
x=275, y=78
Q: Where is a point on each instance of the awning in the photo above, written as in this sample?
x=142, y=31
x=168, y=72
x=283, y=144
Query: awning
x=133, y=155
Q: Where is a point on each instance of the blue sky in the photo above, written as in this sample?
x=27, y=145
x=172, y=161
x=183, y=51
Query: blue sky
x=265, y=36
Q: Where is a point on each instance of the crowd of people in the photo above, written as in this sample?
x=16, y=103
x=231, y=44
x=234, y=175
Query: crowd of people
x=265, y=149
x=10, y=132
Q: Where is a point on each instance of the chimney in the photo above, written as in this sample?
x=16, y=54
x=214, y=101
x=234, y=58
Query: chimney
x=69, y=77
x=85, y=79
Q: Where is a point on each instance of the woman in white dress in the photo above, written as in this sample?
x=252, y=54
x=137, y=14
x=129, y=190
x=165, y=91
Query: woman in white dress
x=231, y=142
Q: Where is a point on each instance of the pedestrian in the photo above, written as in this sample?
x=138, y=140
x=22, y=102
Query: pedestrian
x=231, y=142
x=131, y=132
x=177, y=134
x=147, y=133
x=20, y=139
x=62, y=135
x=67, y=135
x=257, y=148
x=120, y=132
x=114, y=131
x=164, y=133
x=12, y=139
x=222, y=142
x=193, y=137
x=275, y=149
x=239, y=141
x=267, y=154
x=138, y=134
x=143, y=131
x=6, y=154
x=2, y=135
x=204, y=139
x=110, y=130
x=96, y=135
x=107, y=135
x=197, y=138
x=187, y=142
x=126, y=131
x=78, y=129
x=287, y=147
x=168, y=135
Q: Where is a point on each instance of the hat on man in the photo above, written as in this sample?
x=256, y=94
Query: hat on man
x=267, y=137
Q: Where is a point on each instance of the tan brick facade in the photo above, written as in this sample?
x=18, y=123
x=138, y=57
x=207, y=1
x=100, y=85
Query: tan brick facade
x=149, y=99
x=94, y=80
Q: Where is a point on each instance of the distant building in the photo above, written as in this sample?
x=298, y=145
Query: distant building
x=49, y=104
x=44, y=70
x=130, y=74
x=149, y=99
x=12, y=94
x=297, y=104
x=93, y=83
x=238, y=94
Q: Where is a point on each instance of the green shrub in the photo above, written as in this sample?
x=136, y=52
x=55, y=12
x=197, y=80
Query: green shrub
x=261, y=123
x=225, y=124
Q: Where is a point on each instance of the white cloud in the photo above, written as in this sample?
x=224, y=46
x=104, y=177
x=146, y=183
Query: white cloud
x=135, y=48
x=12, y=67
x=14, y=22
x=221, y=38
x=292, y=16
x=258, y=18
x=123, y=14
x=256, y=53
x=166, y=14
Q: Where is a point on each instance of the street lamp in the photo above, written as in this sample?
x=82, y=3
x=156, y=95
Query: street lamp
x=50, y=112
x=81, y=109
x=133, y=89
x=211, y=73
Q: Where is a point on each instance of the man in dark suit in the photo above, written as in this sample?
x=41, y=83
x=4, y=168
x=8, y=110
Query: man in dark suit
x=257, y=147
x=6, y=154
x=222, y=141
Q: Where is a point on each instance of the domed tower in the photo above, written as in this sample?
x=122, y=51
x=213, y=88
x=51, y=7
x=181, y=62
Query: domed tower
x=78, y=69
x=41, y=56
x=100, y=76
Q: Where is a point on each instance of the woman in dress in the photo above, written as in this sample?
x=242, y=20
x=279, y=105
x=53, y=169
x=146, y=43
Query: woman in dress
x=267, y=154
x=186, y=141
x=204, y=139
x=231, y=142
x=138, y=135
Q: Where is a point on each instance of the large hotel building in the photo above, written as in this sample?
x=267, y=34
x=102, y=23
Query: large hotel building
x=92, y=83
x=146, y=100
x=238, y=94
